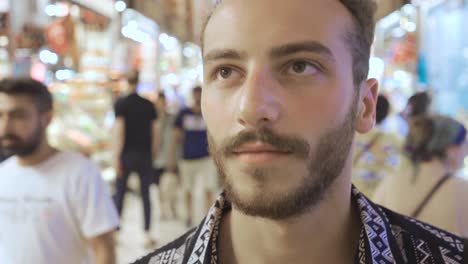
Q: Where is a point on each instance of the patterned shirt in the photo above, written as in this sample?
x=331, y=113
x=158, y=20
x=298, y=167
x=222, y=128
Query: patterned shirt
x=386, y=237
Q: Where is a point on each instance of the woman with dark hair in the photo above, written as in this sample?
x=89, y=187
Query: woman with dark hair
x=430, y=190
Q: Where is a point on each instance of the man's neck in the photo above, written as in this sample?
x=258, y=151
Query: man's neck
x=329, y=233
x=43, y=153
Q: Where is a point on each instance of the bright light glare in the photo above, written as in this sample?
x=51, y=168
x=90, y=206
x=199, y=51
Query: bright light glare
x=4, y=41
x=172, y=78
x=189, y=52
x=63, y=75
x=120, y=6
x=376, y=68
x=131, y=31
x=51, y=10
x=169, y=43
x=46, y=56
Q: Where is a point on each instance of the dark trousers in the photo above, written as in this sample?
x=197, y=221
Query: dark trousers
x=143, y=167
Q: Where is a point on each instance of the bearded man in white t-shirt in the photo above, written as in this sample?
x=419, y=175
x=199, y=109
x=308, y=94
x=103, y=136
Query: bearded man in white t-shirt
x=54, y=207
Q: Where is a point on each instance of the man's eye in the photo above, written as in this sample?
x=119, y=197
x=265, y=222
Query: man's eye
x=227, y=73
x=224, y=73
x=302, y=68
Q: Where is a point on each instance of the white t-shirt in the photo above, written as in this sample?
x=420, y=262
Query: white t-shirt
x=49, y=211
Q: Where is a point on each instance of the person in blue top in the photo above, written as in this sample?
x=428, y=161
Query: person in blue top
x=196, y=168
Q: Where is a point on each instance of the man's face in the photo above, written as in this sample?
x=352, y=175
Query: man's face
x=278, y=101
x=21, y=126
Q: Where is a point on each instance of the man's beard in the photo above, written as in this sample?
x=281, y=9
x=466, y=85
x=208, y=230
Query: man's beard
x=324, y=165
x=23, y=148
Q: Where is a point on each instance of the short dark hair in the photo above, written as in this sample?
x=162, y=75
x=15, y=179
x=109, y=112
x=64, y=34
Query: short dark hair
x=430, y=136
x=420, y=103
x=360, y=39
x=197, y=89
x=35, y=90
x=382, y=109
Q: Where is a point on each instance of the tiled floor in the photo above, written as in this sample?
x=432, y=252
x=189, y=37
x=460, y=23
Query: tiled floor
x=130, y=239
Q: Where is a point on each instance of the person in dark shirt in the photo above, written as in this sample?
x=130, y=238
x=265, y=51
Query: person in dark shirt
x=196, y=166
x=285, y=91
x=136, y=144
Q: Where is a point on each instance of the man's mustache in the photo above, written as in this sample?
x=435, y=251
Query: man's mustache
x=290, y=144
x=10, y=137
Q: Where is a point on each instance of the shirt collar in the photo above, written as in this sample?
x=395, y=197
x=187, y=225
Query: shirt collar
x=374, y=243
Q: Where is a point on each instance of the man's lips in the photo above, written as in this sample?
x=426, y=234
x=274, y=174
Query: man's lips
x=258, y=154
x=258, y=148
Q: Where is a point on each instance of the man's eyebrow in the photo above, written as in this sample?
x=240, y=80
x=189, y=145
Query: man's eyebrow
x=309, y=46
x=219, y=54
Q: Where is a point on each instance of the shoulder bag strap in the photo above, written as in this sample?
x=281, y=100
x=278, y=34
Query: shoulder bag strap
x=430, y=195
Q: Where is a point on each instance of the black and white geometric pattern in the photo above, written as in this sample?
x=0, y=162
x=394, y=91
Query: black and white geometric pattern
x=173, y=256
x=383, y=231
x=207, y=234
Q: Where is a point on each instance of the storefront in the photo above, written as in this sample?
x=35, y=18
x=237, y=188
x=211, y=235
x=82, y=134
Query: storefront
x=444, y=48
x=5, y=40
x=170, y=69
x=82, y=38
x=395, y=56
x=139, y=46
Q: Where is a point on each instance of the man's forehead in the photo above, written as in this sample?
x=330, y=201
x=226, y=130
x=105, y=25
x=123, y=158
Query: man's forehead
x=295, y=20
x=313, y=8
x=15, y=102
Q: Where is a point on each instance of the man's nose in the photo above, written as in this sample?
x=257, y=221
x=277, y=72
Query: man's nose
x=260, y=100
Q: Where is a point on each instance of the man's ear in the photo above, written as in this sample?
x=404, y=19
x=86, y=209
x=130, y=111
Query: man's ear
x=365, y=119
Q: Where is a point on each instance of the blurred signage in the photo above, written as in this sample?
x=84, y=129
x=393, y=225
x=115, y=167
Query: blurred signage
x=103, y=7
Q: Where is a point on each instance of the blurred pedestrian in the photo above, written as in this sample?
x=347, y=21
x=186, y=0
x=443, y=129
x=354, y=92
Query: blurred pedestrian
x=377, y=153
x=167, y=181
x=429, y=190
x=196, y=165
x=54, y=205
x=136, y=144
x=285, y=89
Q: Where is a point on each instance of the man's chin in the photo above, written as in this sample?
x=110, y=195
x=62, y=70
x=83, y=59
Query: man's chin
x=264, y=202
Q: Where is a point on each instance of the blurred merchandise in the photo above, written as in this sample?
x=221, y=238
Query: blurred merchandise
x=395, y=55
x=445, y=48
x=81, y=113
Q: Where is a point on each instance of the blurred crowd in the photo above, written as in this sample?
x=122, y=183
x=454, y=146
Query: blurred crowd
x=411, y=169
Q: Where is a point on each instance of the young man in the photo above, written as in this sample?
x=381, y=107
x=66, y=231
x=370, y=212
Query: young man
x=196, y=165
x=285, y=91
x=136, y=144
x=54, y=205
